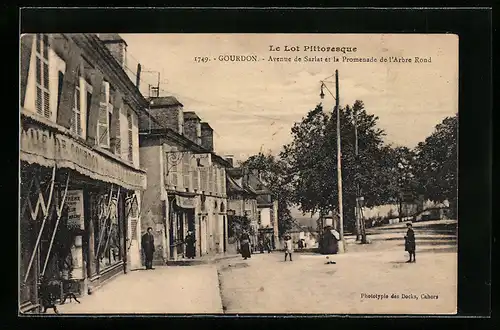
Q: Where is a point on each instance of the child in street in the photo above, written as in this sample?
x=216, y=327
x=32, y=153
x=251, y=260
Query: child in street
x=288, y=246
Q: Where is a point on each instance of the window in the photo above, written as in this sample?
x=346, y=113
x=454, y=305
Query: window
x=130, y=137
x=103, y=122
x=42, y=100
x=76, y=118
x=88, y=102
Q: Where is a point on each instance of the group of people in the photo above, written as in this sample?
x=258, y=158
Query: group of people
x=148, y=246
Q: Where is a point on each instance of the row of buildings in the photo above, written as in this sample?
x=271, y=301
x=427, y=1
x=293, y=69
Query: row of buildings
x=100, y=163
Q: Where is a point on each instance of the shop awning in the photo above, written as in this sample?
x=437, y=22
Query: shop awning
x=45, y=143
x=185, y=202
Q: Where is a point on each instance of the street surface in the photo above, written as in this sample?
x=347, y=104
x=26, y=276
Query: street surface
x=267, y=284
x=365, y=279
x=165, y=290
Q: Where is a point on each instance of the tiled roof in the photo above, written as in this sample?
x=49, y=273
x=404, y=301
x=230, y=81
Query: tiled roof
x=234, y=172
x=205, y=126
x=264, y=199
x=163, y=101
x=191, y=115
x=233, y=186
x=111, y=37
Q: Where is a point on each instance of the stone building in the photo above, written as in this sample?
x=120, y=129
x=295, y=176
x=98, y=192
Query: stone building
x=79, y=154
x=248, y=196
x=187, y=190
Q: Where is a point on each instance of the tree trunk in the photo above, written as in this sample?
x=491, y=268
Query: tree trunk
x=400, y=210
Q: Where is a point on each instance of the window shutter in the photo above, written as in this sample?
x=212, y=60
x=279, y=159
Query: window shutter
x=185, y=170
x=172, y=167
x=38, y=70
x=130, y=137
x=45, y=75
x=102, y=127
x=45, y=46
x=203, y=178
x=78, y=113
x=38, y=101
x=216, y=180
x=196, y=181
x=38, y=42
x=103, y=120
x=46, y=104
x=211, y=179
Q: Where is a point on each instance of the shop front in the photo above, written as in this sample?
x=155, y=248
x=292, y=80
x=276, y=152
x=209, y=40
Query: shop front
x=181, y=220
x=73, y=216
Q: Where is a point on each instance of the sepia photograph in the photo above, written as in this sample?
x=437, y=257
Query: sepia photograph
x=238, y=173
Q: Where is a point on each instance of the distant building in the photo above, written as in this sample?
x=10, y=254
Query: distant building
x=248, y=196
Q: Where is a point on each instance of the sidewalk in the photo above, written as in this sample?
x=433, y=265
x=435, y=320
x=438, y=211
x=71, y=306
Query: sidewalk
x=164, y=290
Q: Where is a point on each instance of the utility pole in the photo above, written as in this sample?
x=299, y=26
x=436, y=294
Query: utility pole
x=356, y=213
x=339, y=165
x=360, y=225
x=158, y=87
x=339, y=159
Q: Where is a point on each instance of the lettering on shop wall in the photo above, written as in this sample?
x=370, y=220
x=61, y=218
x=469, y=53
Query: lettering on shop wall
x=74, y=201
x=58, y=147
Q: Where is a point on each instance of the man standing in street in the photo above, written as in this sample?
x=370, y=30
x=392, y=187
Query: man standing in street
x=410, y=242
x=148, y=247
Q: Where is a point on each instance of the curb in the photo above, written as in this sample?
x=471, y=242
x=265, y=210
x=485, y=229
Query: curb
x=197, y=262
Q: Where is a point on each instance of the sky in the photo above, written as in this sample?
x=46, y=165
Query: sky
x=252, y=105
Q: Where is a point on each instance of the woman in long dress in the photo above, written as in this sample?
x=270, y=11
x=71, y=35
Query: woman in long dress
x=190, y=245
x=245, y=246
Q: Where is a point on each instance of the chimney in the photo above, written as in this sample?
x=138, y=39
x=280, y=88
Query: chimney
x=192, y=127
x=116, y=45
x=207, y=137
x=138, y=75
x=167, y=110
x=230, y=159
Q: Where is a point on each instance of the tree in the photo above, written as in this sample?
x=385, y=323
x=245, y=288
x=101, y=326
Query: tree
x=274, y=174
x=312, y=159
x=239, y=224
x=436, y=163
x=400, y=185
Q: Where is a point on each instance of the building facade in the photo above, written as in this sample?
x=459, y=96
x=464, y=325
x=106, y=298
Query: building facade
x=187, y=190
x=248, y=196
x=80, y=179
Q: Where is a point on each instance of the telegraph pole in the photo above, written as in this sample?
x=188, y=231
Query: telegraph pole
x=339, y=158
x=339, y=165
x=359, y=221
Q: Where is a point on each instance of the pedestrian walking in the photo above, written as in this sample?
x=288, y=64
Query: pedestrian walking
x=288, y=246
x=245, y=246
x=301, y=244
x=190, y=241
x=267, y=243
x=410, y=242
x=148, y=247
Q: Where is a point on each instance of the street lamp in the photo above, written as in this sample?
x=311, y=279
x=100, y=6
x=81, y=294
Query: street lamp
x=339, y=158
